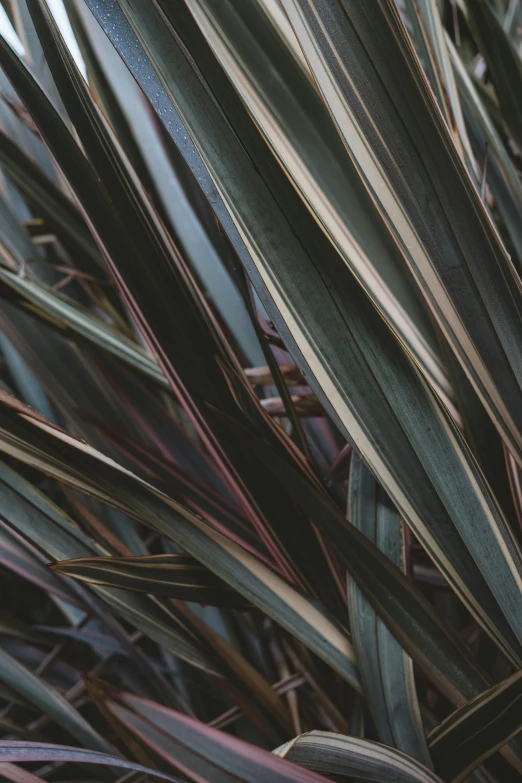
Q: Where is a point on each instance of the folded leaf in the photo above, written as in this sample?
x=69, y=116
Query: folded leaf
x=336, y=754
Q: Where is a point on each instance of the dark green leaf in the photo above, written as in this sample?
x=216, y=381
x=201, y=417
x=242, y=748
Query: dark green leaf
x=503, y=62
x=52, y=703
x=20, y=752
x=475, y=731
x=336, y=754
x=176, y=576
x=386, y=670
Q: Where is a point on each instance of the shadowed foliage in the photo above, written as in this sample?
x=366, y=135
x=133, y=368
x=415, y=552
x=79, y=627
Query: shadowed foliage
x=261, y=391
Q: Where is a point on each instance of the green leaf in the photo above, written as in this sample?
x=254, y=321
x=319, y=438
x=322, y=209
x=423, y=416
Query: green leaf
x=40, y=751
x=502, y=176
x=176, y=576
x=49, y=200
x=336, y=754
x=32, y=439
x=321, y=150
x=52, y=703
x=410, y=617
x=429, y=640
x=192, y=230
x=197, y=750
x=386, y=670
x=114, y=207
x=171, y=626
x=385, y=119
x=350, y=359
x=71, y=316
x=34, y=516
x=503, y=62
x=433, y=49
x=477, y=729
x=277, y=153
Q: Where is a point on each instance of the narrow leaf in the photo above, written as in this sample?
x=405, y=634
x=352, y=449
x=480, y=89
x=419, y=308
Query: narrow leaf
x=35, y=517
x=479, y=728
x=176, y=576
x=48, y=199
x=430, y=214
x=503, y=62
x=336, y=754
x=345, y=352
x=52, y=703
x=386, y=670
x=197, y=750
x=19, y=752
x=32, y=439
